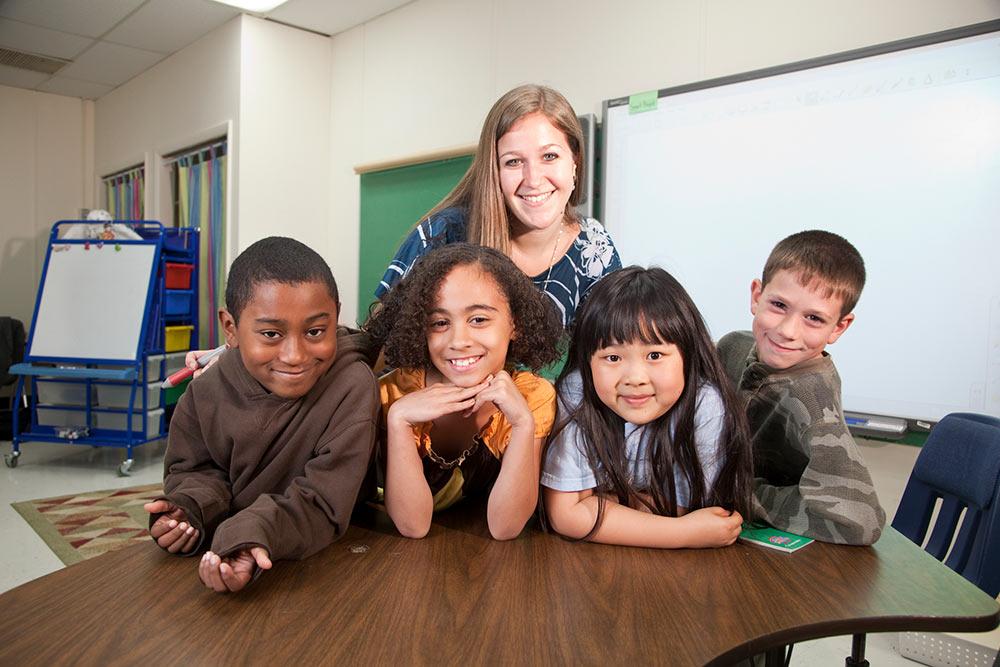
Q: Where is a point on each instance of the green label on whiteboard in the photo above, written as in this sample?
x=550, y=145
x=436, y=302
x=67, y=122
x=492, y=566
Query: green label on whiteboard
x=642, y=102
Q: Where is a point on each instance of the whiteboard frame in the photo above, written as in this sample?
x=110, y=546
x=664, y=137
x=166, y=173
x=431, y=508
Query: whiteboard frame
x=55, y=243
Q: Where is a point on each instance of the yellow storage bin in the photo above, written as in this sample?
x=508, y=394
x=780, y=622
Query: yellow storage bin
x=178, y=338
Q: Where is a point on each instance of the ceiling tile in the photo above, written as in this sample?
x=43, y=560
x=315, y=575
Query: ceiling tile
x=170, y=25
x=136, y=34
x=20, y=78
x=41, y=41
x=60, y=85
x=331, y=17
x=92, y=18
x=110, y=63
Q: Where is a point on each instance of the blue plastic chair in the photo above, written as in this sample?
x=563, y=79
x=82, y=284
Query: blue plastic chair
x=959, y=463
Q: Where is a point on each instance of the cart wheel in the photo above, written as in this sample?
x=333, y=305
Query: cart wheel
x=11, y=459
x=125, y=468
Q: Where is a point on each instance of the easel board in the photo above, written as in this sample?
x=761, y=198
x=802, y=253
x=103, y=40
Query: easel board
x=92, y=301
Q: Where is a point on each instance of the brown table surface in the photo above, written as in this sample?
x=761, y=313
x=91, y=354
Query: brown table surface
x=459, y=597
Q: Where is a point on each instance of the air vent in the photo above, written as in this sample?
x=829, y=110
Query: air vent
x=35, y=63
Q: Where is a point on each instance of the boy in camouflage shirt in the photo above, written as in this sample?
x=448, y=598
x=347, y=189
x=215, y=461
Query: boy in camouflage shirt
x=810, y=478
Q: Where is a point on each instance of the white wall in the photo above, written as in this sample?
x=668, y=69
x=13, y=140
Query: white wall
x=44, y=141
x=345, y=150
x=284, y=158
x=422, y=77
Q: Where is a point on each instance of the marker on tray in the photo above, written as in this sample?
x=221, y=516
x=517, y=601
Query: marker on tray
x=184, y=373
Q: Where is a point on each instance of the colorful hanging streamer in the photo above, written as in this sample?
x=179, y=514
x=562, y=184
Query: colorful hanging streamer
x=125, y=194
x=201, y=196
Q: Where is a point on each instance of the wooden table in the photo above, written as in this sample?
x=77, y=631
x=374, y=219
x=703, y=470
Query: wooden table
x=458, y=597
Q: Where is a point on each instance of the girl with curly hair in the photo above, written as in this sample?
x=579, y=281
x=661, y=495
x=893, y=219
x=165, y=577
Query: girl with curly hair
x=652, y=447
x=459, y=420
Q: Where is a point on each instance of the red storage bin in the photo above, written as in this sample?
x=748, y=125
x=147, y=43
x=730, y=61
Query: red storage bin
x=179, y=275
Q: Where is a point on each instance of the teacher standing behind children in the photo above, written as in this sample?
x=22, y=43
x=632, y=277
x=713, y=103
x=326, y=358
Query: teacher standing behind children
x=518, y=197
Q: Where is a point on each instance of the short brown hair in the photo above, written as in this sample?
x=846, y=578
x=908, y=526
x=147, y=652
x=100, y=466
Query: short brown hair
x=820, y=257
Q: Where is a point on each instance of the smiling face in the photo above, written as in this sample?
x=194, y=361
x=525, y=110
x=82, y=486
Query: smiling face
x=536, y=171
x=470, y=328
x=287, y=335
x=793, y=323
x=639, y=381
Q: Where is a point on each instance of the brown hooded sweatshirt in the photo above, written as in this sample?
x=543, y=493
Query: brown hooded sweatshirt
x=250, y=468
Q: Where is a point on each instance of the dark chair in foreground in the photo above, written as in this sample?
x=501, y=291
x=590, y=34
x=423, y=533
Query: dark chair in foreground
x=960, y=464
x=11, y=352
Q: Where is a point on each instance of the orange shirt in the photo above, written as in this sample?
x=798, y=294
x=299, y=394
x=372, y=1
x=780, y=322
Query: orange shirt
x=537, y=391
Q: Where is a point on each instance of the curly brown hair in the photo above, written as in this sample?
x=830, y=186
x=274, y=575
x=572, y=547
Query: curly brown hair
x=399, y=322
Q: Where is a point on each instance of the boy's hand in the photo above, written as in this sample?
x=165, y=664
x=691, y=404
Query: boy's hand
x=713, y=527
x=171, y=530
x=232, y=573
x=502, y=392
x=433, y=402
x=191, y=361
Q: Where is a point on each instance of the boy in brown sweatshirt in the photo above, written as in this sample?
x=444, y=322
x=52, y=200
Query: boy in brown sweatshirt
x=268, y=449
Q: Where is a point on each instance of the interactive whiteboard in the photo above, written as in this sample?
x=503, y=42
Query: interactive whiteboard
x=92, y=301
x=897, y=148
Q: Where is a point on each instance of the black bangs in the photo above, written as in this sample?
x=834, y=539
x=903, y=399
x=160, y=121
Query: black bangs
x=631, y=325
x=638, y=305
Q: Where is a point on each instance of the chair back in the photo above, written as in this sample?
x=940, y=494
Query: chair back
x=11, y=347
x=959, y=464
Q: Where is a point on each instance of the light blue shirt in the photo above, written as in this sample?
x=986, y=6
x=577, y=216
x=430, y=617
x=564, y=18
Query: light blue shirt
x=567, y=469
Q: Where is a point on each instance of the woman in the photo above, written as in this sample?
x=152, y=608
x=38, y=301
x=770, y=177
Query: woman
x=518, y=197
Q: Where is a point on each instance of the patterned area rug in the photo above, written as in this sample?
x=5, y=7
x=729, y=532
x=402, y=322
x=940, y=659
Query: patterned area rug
x=82, y=526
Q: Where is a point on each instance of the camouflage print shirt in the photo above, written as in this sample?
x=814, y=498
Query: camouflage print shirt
x=810, y=477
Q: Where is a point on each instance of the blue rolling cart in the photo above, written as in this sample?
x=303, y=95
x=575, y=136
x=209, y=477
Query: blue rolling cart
x=107, y=314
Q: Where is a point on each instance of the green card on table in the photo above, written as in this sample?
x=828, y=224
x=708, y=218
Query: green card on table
x=772, y=538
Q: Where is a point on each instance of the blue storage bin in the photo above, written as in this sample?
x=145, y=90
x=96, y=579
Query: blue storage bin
x=178, y=242
x=178, y=303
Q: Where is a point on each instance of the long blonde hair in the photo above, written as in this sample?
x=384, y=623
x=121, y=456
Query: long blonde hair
x=479, y=190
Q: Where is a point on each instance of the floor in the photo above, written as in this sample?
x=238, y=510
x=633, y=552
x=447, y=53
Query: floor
x=46, y=470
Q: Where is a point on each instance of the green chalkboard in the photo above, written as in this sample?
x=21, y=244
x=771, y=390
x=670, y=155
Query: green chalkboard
x=391, y=203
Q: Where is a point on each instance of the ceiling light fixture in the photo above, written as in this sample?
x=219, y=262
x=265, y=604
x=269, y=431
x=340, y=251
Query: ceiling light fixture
x=257, y=6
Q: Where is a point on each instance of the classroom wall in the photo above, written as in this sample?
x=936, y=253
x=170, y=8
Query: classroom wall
x=284, y=119
x=267, y=84
x=422, y=77
x=45, y=144
x=347, y=76
x=305, y=110
x=189, y=97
